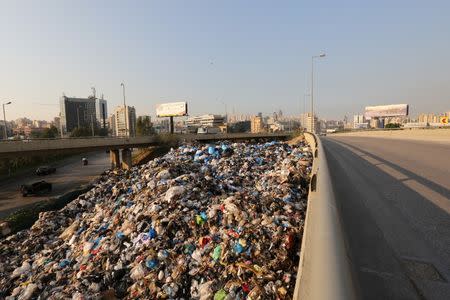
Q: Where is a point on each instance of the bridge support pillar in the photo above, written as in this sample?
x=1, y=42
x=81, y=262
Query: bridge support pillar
x=126, y=159
x=115, y=158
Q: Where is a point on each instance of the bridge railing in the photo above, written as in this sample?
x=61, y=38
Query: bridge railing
x=324, y=269
x=178, y=135
x=16, y=148
x=62, y=138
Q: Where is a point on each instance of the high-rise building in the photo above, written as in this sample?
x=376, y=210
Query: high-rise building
x=257, y=124
x=428, y=118
x=359, y=122
x=125, y=121
x=83, y=112
x=101, y=111
x=112, y=124
x=359, y=119
x=77, y=112
x=305, y=120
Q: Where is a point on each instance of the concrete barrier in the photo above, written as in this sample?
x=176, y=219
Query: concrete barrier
x=324, y=268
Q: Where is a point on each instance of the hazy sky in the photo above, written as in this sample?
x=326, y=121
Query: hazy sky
x=253, y=55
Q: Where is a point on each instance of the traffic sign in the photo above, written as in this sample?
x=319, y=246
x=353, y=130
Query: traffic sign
x=444, y=120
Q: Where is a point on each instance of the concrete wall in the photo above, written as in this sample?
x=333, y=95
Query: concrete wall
x=324, y=270
x=427, y=135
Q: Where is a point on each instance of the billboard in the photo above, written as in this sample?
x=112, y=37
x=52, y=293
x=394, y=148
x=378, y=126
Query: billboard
x=173, y=109
x=392, y=110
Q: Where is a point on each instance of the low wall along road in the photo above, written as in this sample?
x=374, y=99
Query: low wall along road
x=324, y=271
x=430, y=135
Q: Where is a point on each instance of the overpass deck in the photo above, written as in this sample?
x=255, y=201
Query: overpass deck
x=12, y=149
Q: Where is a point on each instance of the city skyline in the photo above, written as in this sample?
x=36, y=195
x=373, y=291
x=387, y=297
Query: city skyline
x=254, y=56
x=236, y=117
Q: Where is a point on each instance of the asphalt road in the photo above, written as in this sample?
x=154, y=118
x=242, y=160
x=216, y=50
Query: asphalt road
x=394, y=200
x=69, y=175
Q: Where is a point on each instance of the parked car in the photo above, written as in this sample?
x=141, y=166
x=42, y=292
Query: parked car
x=45, y=170
x=37, y=188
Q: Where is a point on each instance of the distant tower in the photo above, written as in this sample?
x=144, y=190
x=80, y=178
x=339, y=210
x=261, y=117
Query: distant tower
x=93, y=91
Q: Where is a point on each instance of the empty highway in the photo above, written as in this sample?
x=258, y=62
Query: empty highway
x=394, y=200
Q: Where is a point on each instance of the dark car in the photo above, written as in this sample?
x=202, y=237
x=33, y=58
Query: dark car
x=37, y=188
x=45, y=170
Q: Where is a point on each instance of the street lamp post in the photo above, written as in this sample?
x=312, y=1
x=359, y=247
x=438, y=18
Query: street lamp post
x=226, y=110
x=312, y=89
x=78, y=117
x=124, y=108
x=4, y=120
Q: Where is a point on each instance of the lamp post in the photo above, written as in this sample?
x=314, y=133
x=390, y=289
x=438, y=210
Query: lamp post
x=303, y=117
x=226, y=110
x=124, y=108
x=312, y=89
x=4, y=120
x=78, y=117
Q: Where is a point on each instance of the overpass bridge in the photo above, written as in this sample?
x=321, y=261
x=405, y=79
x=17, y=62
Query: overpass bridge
x=377, y=224
x=34, y=147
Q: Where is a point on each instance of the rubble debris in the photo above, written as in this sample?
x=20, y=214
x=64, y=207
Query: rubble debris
x=217, y=221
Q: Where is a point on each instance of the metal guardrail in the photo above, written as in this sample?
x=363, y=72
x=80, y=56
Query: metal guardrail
x=324, y=268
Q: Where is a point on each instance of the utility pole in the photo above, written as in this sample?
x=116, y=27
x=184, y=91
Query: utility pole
x=92, y=125
x=4, y=120
x=103, y=113
x=226, y=110
x=78, y=116
x=312, y=89
x=124, y=109
x=60, y=126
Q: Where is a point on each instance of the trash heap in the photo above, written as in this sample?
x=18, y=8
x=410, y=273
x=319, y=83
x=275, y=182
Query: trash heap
x=221, y=221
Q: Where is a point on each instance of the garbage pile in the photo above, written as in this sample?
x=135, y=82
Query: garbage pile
x=220, y=221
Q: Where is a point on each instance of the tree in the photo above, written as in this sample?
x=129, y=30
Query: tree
x=144, y=126
x=392, y=125
x=47, y=133
x=101, y=131
x=50, y=133
x=87, y=131
x=81, y=132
